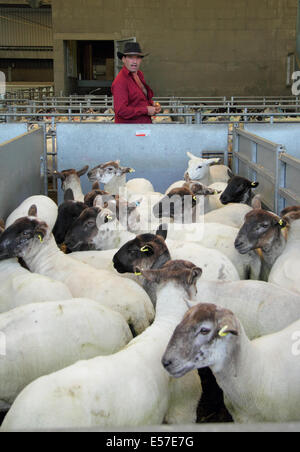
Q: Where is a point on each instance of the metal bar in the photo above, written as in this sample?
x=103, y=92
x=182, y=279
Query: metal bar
x=254, y=166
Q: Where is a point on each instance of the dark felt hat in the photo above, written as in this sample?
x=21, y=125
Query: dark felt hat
x=131, y=48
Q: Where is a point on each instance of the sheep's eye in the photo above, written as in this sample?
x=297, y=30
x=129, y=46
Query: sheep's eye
x=199, y=167
x=26, y=233
x=264, y=225
x=90, y=224
x=204, y=331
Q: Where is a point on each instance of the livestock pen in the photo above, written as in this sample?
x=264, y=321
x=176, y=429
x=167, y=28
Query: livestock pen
x=265, y=152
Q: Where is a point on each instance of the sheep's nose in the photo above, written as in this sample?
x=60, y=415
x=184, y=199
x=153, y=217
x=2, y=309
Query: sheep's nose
x=166, y=362
x=238, y=243
x=224, y=199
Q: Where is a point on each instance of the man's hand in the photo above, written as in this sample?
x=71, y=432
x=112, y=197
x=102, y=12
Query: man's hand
x=151, y=110
x=157, y=108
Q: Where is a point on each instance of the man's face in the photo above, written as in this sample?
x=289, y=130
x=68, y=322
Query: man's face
x=132, y=62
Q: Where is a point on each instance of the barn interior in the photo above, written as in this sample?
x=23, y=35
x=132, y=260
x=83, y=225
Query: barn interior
x=227, y=77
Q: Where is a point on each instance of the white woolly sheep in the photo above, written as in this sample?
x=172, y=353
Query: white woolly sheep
x=199, y=169
x=70, y=179
x=19, y=287
x=263, y=308
x=231, y=215
x=222, y=238
x=45, y=337
x=265, y=231
x=32, y=240
x=152, y=251
x=128, y=388
x=260, y=379
x=113, y=176
x=285, y=271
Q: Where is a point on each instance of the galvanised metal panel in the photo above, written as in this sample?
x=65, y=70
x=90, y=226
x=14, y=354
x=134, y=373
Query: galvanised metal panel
x=11, y=130
x=286, y=134
x=159, y=156
x=20, y=170
x=289, y=177
x=257, y=158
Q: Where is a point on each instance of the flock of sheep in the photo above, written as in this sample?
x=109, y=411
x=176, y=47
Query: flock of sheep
x=111, y=301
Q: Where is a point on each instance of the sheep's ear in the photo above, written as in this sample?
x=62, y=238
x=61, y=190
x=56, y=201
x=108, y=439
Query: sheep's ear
x=187, y=177
x=191, y=156
x=162, y=231
x=256, y=202
x=282, y=223
x=229, y=173
x=190, y=304
x=2, y=226
x=226, y=329
x=211, y=161
x=194, y=275
x=147, y=249
x=289, y=209
x=227, y=324
x=82, y=171
x=69, y=195
x=59, y=175
x=32, y=212
x=128, y=170
x=291, y=216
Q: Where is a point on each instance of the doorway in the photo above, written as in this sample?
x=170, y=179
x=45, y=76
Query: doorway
x=95, y=66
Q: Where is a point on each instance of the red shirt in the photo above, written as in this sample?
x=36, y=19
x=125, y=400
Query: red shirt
x=130, y=103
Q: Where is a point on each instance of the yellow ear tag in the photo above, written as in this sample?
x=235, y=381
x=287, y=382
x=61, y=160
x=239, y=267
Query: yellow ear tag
x=281, y=223
x=144, y=249
x=216, y=192
x=253, y=184
x=132, y=170
x=109, y=217
x=222, y=332
x=40, y=237
x=138, y=273
x=195, y=198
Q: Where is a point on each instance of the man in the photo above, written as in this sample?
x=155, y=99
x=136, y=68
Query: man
x=132, y=96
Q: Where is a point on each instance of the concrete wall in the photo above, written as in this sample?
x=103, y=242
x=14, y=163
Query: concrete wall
x=198, y=47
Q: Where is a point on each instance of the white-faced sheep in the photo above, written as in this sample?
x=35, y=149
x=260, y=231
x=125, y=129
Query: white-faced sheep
x=199, y=169
x=128, y=388
x=113, y=176
x=71, y=179
x=260, y=379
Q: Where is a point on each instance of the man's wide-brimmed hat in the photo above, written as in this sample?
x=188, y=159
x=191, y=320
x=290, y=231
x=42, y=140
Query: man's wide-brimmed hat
x=132, y=48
